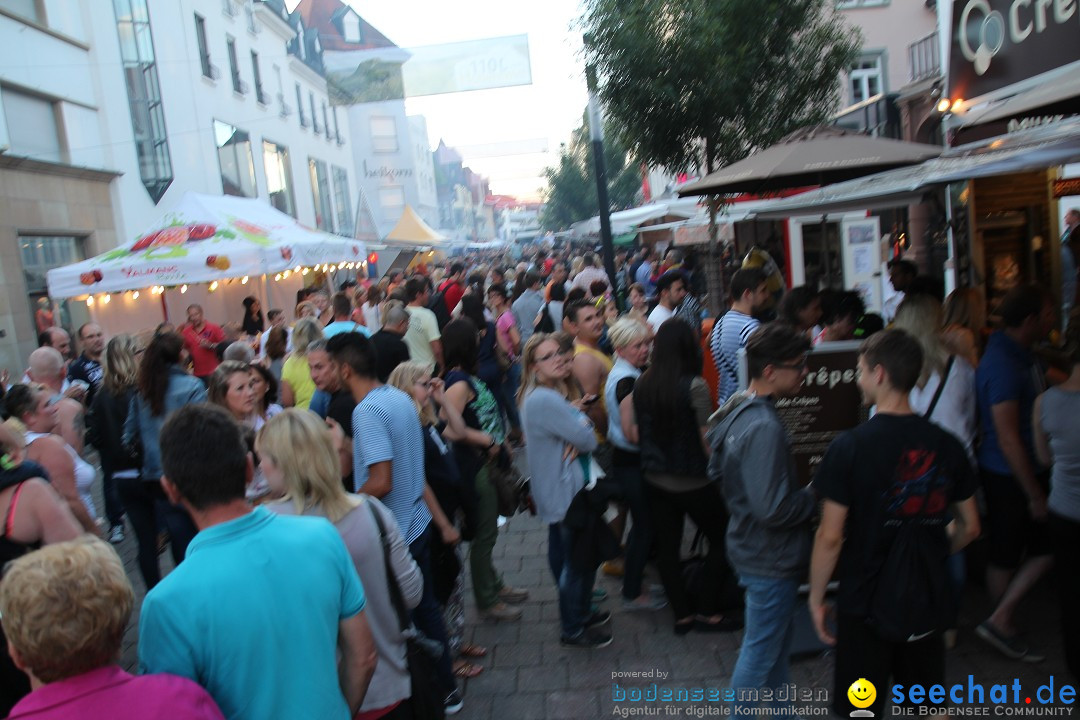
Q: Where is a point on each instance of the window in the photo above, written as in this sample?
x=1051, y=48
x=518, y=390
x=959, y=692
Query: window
x=384, y=134
x=227, y=8
x=326, y=121
x=208, y=70
x=314, y=115
x=279, y=177
x=39, y=254
x=351, y=25
x=320, y=192
x=392, y=200
x=26, y=8
x=260, y=95
x=235, y=159
x=234, y=67
x=866, y=79
x=32, y=128
x=144, y=96
x=337, y=130
x=342, y=202
x=300, y=106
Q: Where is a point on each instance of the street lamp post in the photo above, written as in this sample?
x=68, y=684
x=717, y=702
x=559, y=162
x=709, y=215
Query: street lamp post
x=596, y=135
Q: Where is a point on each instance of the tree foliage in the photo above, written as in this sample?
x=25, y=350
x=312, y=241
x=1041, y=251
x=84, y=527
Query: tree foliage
x=571, y=191
x=703, y=83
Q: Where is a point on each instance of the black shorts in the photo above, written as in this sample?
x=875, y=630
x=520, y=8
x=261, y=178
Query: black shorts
x=862, y=653
x=1012, y=534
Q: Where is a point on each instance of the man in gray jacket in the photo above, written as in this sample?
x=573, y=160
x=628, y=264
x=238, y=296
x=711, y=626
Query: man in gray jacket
x=769, y=533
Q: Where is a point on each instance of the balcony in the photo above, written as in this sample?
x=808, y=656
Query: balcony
x=924, y=60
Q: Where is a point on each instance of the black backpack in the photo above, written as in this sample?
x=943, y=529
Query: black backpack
x=913, y=596
x=437, y=305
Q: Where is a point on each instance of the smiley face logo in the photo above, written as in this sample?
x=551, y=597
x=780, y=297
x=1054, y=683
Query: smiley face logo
x=862, y=694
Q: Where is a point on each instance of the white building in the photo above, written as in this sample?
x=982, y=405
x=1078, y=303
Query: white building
x=111, y=111
x=391, y=151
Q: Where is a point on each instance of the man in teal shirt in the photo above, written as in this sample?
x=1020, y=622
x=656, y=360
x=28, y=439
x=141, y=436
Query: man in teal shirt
x=259, y=608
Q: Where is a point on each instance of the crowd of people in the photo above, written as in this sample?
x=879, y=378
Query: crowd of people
x=338, y=463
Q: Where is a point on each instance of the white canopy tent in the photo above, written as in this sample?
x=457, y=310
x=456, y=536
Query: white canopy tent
x=204, y=243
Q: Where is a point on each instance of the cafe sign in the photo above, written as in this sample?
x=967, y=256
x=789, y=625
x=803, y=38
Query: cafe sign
x=996, y=43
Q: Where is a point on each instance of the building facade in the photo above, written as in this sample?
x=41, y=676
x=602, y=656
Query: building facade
x=391, y=151
x=112, y=111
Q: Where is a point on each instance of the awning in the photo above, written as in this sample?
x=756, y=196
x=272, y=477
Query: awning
x=1023, y=151
x=1047, y=95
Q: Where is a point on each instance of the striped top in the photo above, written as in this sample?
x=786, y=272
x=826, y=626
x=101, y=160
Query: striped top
x=387, y=427
x=729, y=334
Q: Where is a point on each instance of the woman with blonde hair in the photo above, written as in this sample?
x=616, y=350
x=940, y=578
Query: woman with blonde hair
x=444, y=481
x=65, y=610
x=964, y=317
x=299, y=459
x=954, y=409
x=105, y=426
x=556, y=431
x=297, y=386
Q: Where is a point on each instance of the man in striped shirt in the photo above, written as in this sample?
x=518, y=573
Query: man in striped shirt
x=388, y=464
x=749, y=293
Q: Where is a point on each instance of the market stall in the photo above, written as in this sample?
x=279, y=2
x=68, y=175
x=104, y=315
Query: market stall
x=210, y=250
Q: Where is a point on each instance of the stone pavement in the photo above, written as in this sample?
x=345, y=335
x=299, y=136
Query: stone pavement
x=529, y=675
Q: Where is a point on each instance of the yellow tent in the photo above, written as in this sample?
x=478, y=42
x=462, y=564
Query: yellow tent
x=413, y=232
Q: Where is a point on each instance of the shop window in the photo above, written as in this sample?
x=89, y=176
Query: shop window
x=32, y=128
x=342, y=202
x=144, y=96
x=38, y=255
x=235, y=159
x=279, y=177
x=320, y=192
x=866, y=78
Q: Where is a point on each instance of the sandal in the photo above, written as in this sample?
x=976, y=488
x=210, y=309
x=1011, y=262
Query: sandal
x=466, y=670
x=472, y=651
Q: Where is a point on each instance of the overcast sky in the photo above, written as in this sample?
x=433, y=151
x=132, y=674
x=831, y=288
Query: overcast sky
x=513, y=119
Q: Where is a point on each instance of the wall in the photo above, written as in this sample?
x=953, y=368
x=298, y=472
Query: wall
x=891, y=27
x=37, y=199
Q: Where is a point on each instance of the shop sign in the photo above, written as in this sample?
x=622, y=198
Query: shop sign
x=996, y=43
x=828, y=404
x=1068, y=186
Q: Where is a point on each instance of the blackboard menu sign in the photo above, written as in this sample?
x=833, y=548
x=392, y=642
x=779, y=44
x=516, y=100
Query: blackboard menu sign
x=828, y=404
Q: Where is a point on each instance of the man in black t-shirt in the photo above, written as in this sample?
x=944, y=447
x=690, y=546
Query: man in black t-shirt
x=898, y=500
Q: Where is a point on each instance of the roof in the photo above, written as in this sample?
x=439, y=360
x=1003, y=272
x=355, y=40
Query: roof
x=325, y=16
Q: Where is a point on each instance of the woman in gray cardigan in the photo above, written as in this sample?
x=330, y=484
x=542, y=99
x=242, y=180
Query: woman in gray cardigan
x=298, y=459
x=556, y=432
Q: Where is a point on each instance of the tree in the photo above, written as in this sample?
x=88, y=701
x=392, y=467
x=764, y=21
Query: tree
x=571, y=191
x=703, y=83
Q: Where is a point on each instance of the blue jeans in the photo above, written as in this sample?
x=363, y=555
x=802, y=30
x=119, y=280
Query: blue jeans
x=428, y=615
x=575, y=586
x=766, y=645
x=509, y=393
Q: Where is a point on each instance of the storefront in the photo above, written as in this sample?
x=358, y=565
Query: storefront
x=1014, y=66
